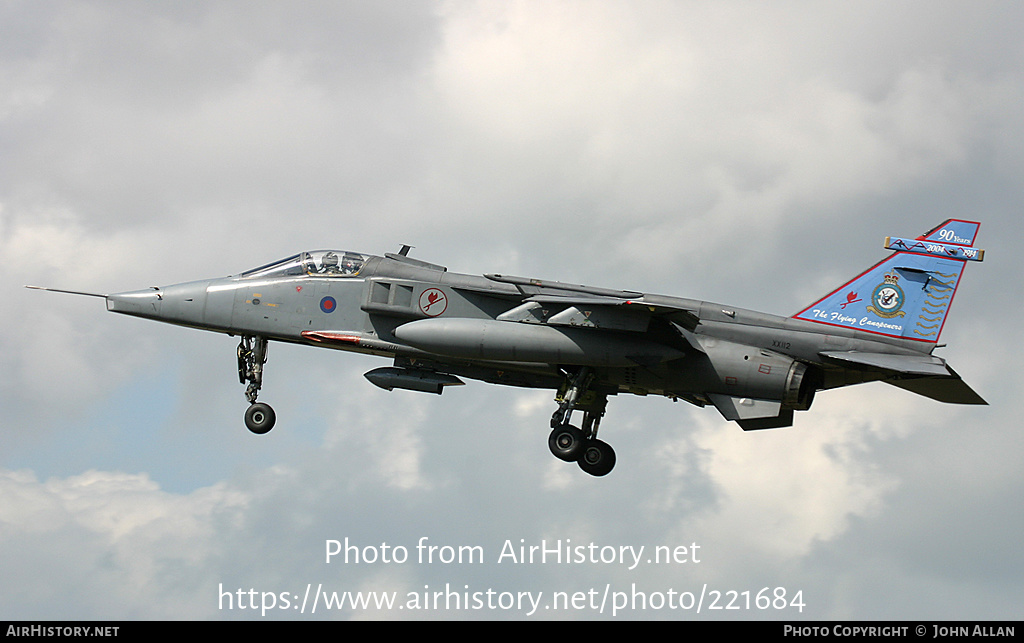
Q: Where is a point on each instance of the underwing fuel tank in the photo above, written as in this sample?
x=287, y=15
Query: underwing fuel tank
x=515, y=342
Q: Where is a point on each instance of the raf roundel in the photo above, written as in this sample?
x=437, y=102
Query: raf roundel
x=328, y=304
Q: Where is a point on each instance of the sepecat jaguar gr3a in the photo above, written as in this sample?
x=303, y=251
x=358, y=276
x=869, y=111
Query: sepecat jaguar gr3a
x=586, y=343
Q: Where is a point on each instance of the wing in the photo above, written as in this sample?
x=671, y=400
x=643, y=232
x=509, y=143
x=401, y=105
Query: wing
x=609, y=313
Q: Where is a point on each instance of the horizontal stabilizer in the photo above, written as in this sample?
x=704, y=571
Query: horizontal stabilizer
x=951, y=390
x=902, y=364
x=922, y=374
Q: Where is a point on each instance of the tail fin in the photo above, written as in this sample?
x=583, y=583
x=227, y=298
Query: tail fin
x=908, y=294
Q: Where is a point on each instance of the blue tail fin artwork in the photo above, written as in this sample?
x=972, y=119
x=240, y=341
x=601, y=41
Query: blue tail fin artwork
x=908, y=294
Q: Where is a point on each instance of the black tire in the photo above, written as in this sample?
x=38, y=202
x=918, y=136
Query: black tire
x=566, y=442
x=260, y=418
x=596, y=458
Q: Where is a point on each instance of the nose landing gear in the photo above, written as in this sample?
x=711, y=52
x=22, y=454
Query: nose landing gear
x=252, y=355
x=572, y=444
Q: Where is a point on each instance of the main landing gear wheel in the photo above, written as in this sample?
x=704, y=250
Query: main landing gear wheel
x=566, y=442
x=260, y=418
x=581, y=445
x=596, y=458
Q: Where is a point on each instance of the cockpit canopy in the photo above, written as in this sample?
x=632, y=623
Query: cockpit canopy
x=320, y=263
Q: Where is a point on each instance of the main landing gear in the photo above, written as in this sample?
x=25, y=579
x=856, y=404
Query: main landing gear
x=252, y=355
x=581, y=445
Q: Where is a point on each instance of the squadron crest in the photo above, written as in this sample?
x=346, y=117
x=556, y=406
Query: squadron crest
x=887, y=299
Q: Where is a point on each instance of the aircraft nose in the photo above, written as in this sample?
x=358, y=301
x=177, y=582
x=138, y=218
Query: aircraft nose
x=180, y=303
x=140, y=303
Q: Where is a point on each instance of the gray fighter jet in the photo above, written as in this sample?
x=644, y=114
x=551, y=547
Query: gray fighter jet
x=583, y=342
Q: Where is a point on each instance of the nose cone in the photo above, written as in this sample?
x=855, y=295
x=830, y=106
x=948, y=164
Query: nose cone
x=140, y=303
x=177, y=304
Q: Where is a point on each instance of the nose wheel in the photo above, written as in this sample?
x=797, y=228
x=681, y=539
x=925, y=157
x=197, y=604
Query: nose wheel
x=252, y=355
x=260, y=418
x=581, y=446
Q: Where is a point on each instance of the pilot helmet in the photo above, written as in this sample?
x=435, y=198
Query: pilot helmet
x=351, y=263
x=330, y=261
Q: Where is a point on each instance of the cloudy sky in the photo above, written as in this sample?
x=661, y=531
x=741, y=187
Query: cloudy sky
x=754, y=154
